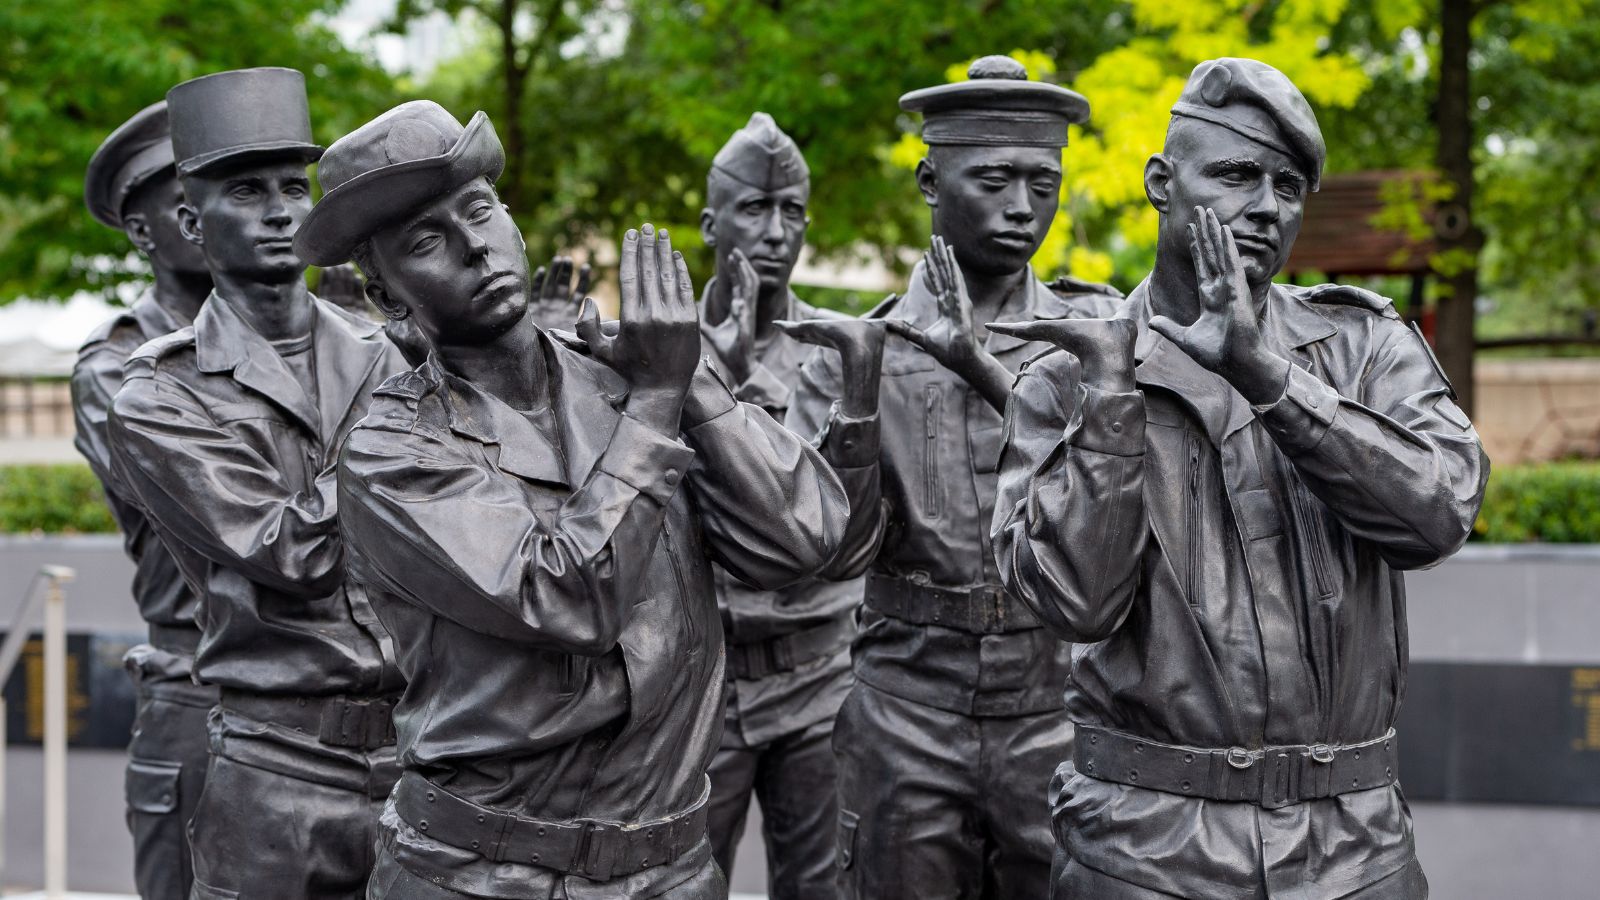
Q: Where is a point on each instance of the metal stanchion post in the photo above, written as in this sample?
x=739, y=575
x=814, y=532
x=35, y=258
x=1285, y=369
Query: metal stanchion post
x=55, y=742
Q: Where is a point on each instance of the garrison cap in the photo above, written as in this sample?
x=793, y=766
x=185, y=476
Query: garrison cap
x=762, y=156
x=382, y=171
x=240, y=114
x=997, y=106
x=1251, y=98
x=139, y=150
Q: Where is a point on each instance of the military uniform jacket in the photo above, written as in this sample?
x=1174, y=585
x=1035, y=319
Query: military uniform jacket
x=158, y=587
x=766, y=708
x=1234, y=576
x=921, y=477
x=235, y=466
x=551, y=597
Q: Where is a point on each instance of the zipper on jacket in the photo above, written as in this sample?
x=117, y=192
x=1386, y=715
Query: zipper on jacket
x=1193, y=517
x=933, y=496
x=1316, y=537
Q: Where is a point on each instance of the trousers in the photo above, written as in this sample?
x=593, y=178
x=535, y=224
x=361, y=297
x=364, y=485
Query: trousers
x=792, y=778
x=940, y=804
x=283, y=815
x=166, y=769
x=393, y=881
x=1076, y=881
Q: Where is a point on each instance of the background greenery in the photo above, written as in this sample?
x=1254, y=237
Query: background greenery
x=610, y=110
x=1554, y=503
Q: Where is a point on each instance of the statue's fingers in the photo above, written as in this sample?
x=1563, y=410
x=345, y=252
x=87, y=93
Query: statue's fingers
x=1170, y=329
x=649, y=270
x=908, y=331
x=628, y=277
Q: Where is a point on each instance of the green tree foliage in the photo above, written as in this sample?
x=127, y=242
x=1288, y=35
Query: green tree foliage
x=624, y=116
x=72, y=70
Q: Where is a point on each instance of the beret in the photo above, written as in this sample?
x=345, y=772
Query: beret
x=140, y=149
x=1251, y=98
x=997, y=106
x=762, y=156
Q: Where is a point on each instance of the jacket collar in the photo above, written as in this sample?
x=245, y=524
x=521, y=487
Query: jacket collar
x=152, y=318
x=584, y=396
x=921, y=308
x=1291, y=325
x=346, y=349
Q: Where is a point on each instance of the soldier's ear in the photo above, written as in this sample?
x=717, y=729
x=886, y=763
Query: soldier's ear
x=137, y=227
x=708, y=222
x=1158, y=182
x=189, y=225
x=386, y=304
x=928, y=181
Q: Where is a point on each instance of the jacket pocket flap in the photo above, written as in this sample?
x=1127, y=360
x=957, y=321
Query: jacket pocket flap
x=152, y=786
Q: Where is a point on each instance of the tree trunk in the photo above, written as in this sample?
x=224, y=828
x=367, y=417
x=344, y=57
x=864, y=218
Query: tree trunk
x=1459, y=238
x=514, y=73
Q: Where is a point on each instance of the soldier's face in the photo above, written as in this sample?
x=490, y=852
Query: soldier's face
x=245, y=218
x=768, y=226
x=1258, y=192
x=993, y=204
x=458, y=265
x=152, y=218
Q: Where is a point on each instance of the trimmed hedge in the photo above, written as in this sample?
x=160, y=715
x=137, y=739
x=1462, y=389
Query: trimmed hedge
x=63, y=498
x=1555, y=503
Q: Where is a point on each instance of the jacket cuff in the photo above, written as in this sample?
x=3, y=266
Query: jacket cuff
x=1303, y=414
x=645, y=460
x=1112, y=422
x=848, y=443
x=709, y=396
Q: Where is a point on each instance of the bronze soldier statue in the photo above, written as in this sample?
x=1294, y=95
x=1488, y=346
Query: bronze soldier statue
x=1216, y=492
x=227, y=431
x=788, y=651
x=537, y=520
x=132, y=186
x=955, y=720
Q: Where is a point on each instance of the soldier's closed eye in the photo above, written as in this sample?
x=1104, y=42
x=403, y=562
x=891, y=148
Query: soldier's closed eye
x=424, y=242
x=480, y=212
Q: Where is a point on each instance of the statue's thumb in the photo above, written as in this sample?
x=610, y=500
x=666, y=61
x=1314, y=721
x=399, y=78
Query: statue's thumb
x=1028, y=331
x=1166, y=327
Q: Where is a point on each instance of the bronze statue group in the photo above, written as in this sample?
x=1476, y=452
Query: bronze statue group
x=484, y=597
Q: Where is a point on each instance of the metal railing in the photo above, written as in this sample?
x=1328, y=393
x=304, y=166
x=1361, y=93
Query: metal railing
x=50, y=578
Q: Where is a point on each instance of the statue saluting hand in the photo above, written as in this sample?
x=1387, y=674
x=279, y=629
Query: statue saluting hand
x=656, y=345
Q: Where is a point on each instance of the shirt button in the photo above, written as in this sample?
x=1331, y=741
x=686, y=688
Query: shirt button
x=671, y=477
x=1116, y=427
x=1312, y=402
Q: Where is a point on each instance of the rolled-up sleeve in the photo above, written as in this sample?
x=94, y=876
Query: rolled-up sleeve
x=442, y=529
x=852, y=447
x=1402, y=466
x=1069, y=528
x=772, y=510
x=220, y=496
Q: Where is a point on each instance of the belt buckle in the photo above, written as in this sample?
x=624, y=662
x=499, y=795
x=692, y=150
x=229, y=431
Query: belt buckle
x=1321, y=753
x=1240, y=758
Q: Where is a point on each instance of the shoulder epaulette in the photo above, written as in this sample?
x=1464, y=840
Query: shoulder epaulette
x=1066, y=285
x=156, y=349
x=409, y=386
x=1347, y=295
x=883, y=309
x=103, y=331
